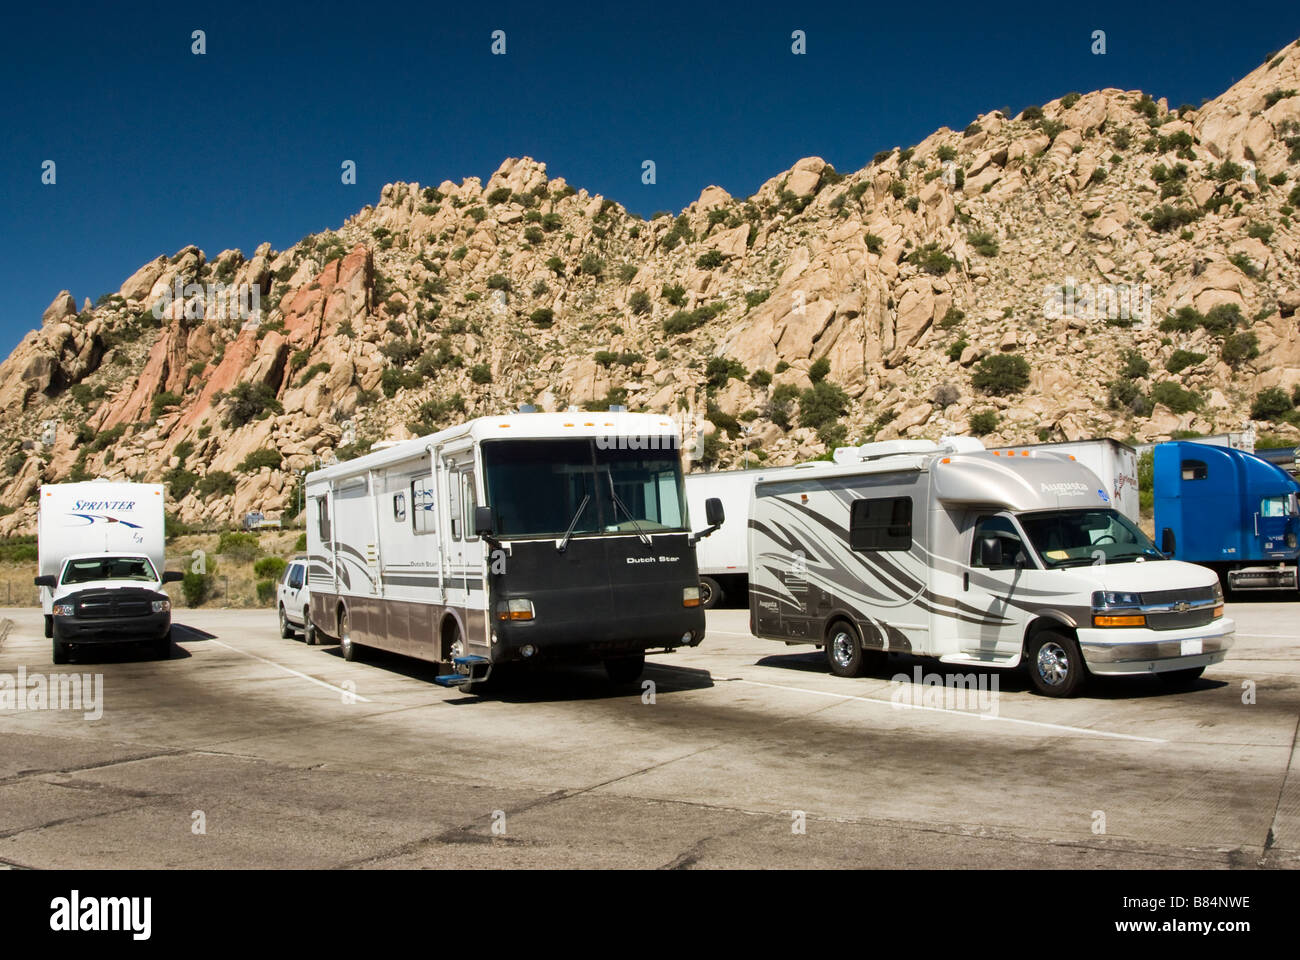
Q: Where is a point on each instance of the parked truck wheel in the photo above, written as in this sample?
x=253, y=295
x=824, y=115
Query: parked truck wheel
x=348, y=648
x=1055, y=664
x=710, y=593
x=49, y=626
x=286, y=631
x=309, y=634
x=625, y=669
x=1181, y=679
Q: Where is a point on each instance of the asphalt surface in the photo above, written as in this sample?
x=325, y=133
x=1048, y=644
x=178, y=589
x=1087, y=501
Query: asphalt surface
x=246, y=750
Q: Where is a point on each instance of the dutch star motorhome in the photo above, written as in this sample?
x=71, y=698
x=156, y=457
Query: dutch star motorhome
x=978, y=558
x=534, y=537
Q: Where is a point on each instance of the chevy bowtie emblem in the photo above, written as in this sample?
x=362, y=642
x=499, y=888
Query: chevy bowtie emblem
x=1182, y=607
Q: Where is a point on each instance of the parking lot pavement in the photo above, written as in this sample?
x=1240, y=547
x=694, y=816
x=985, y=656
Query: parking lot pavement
x=245, y=750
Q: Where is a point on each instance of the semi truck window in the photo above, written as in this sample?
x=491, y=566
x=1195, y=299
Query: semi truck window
x=423, y=506
x=1273, y=507
x=1195, y=470
x=884, y=524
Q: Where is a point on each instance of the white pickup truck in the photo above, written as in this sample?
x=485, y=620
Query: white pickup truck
x=100, y=565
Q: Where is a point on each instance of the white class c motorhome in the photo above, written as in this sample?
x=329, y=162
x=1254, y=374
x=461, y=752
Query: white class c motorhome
x=536, y=537
x=977, y=558
x=100, y=557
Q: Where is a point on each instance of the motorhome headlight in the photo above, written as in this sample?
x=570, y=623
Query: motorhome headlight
x=1109, y=609
x=690, y=596
x=1111, y=600
x=162, y=606
x=515, y=610
x=65, y=609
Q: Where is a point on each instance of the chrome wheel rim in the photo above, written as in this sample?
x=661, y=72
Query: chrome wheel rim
x=284, y=622
x=458, y=648
x=1053, y=663
x=345, y=635
x=842, y=648
x=706, y=594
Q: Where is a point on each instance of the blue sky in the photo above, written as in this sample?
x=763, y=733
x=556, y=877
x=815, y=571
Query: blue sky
x=157, y=148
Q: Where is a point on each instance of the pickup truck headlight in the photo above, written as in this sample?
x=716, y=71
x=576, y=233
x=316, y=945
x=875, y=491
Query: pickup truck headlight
x=65, y=609
x=162, y=606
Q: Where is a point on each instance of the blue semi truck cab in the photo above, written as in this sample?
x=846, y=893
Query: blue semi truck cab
x=1229, y=510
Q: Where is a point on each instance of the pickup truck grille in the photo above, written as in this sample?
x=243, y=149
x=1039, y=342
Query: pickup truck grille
x=111, y=606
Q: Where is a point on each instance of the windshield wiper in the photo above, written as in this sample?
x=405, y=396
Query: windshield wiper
x=568, y=534
x=635, y=522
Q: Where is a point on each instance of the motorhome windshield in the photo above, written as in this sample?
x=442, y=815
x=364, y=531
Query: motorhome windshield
x=537, y=488
x=1069, y=538
x=92, y=569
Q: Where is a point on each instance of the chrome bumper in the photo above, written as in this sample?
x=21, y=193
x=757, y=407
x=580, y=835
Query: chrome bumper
x=1111, y=654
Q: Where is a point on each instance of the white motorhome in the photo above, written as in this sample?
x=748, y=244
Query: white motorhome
x=979, y=558
x=100, y=557
x=1115, y=463
x=536, y=537
x=723, y=558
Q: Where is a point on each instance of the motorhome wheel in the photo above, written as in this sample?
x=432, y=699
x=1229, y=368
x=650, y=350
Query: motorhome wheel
x=1055, y=664
x=844, y=653
x=309, y=634
x=345, y=638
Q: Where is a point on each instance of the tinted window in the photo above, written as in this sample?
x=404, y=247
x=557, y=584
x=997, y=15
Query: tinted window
x=423, y=508
x=295, y=576
x=323, y=519
x=884, y=524
x=108, y=568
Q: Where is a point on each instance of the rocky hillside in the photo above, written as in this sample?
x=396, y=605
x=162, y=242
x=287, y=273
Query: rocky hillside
x=990, y=279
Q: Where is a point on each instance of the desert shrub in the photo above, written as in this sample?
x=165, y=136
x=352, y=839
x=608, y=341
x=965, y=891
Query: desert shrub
x=218, y=483
x=265, y=592
x=480, y=373
x=1133, y=365
x=984, y=243
x=1185, y=320
x=1167, y=217
x=270, y=567
x=931, y=259
x=674, y=293
x=709, y=260
x=164, y=399
x=499, y=195
x=780, y=404
x=683, y=321
x=251, y=401
x=592, y=265
x=1002, y=375
x=238, y=546
x=1271, y=404
x=1223, y=319
x=1176, y=398
x=819, y=369
x=761, y=379
x=983, y=422
x=638, y=302
x=945, y=394
x=197, y=587
x=542, y=317
x=265, y=457
x=1239, y=347
x=1181, y=359
x=821, y=404
x=722, y=369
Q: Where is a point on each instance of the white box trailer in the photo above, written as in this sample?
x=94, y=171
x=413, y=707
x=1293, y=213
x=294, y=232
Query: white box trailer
x=1115, y=463
x=723, y=558
x=100, y=559
x=975, y=557
x=534, y=537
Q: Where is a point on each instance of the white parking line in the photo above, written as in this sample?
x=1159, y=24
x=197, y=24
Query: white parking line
x=959, y=713
x=296, y=673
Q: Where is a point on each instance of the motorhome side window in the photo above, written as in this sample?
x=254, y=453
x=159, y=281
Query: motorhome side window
x=323, y=518
x=467, y=505
x=884, y=524
x=1195, y=470
x=399, y=507
x=423, y=506
x=997, y=528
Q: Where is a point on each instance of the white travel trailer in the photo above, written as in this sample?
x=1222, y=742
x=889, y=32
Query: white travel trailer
x=100, y=557
x=1114, y=462
x=977, y=558
x=723, y=558
x=535, y=537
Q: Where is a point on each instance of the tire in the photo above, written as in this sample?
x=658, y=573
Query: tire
x=347, y=647
x=710, y=593
x=162, y=647
x=49, y=626
x=1181, y=679
x=1055, y=664
x=625, y=669
x=60, y=651
x=309, y=634
x=286, y=631
x=844, y=654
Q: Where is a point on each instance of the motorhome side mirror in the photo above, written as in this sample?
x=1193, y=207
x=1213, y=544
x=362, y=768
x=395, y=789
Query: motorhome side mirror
x=991, y=551
x=1167, y=542
x=484, y=522
x=46, y=580
x=172, y=576
x=713, y=512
